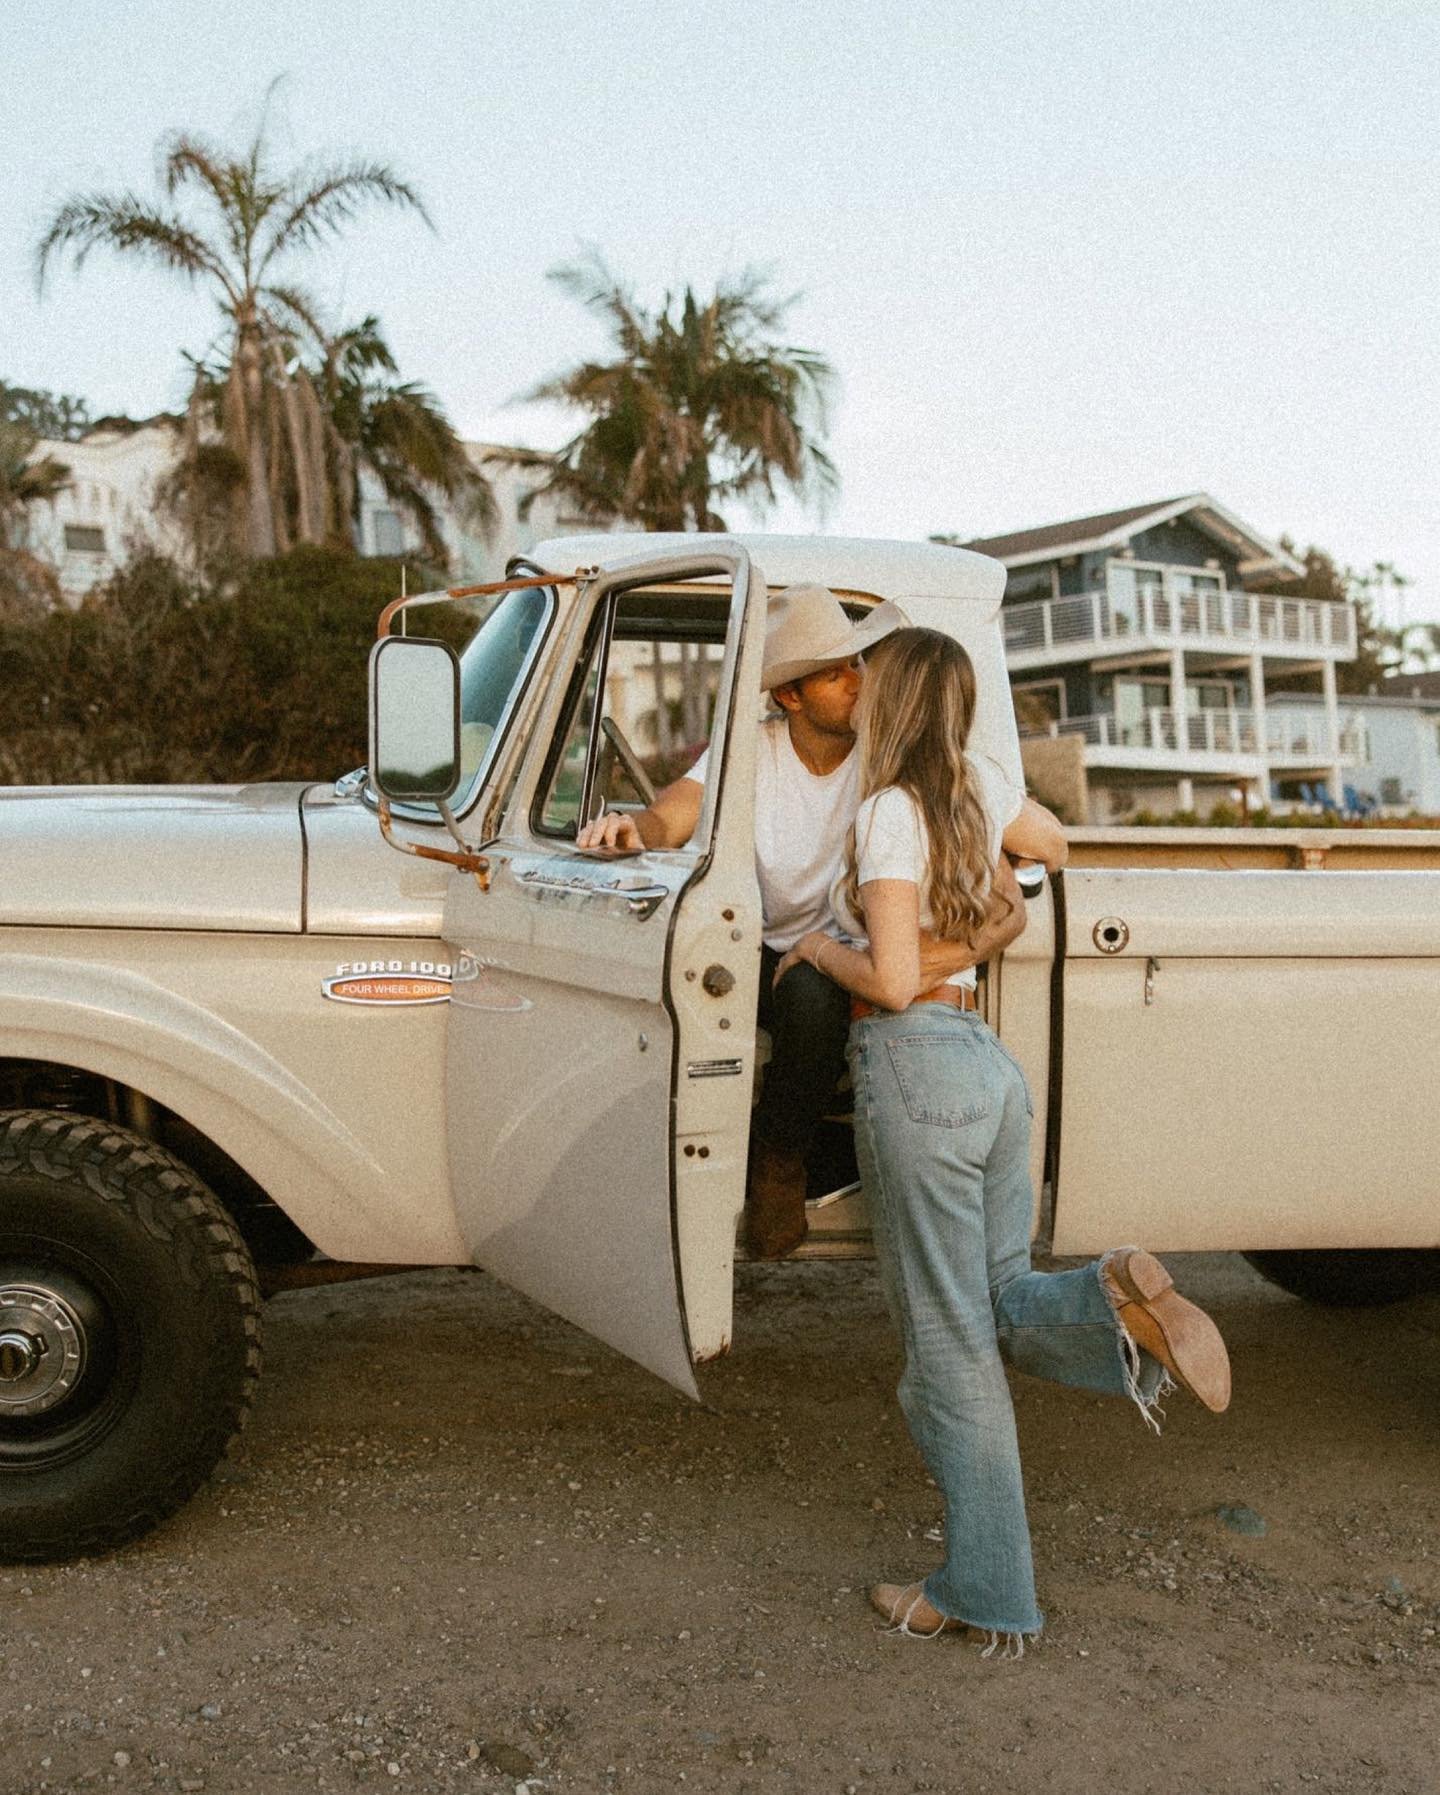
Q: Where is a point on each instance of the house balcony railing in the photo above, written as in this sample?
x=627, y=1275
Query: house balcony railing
x=1175, y=614
x=1290, y=737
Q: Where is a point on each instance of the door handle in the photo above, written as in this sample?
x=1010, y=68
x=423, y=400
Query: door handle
x=638, y=901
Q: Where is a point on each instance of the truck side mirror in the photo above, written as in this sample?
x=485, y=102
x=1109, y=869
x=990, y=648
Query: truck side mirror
x=414, y=719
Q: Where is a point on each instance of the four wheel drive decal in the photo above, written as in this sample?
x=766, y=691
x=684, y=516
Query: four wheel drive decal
x=382, y=984
x=392, y=981
x=387, y=988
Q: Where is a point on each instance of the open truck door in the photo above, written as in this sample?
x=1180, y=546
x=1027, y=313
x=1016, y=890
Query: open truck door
x=601, y=1030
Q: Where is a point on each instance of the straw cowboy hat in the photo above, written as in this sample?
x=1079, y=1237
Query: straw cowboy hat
x=806, y=628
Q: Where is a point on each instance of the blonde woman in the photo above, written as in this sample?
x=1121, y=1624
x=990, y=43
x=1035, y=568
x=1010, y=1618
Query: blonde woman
x=942, y=1125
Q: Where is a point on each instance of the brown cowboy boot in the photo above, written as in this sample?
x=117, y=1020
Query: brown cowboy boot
x=774, y=1201
x=1156, y=1317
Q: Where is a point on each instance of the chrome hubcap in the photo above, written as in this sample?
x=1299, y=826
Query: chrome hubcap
x=42, y=1349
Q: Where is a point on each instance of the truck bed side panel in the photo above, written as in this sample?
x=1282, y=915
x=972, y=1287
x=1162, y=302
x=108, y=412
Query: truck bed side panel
x=1252, y=1062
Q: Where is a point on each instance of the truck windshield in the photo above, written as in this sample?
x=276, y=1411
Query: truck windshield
x=493, y=666
x=496, y=638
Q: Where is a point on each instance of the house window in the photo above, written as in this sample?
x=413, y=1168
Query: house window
x=1023, y=585
x=1201, y=599
x=84, y=539
x=1127, y=585
x=1209, y=695
x=386, y=532
x=1039, y=703
x=1136, y=701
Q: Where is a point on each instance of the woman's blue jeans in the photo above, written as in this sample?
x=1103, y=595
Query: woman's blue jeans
x=942, y=1132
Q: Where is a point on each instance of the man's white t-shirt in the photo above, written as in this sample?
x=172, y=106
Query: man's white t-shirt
x=801, y=822
x=892, y=842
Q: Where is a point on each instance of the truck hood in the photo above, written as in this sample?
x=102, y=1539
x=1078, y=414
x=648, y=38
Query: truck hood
x=153, y=857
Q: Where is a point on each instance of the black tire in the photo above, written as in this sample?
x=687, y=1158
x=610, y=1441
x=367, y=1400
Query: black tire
x=129, y=1335
x=1352, y=1277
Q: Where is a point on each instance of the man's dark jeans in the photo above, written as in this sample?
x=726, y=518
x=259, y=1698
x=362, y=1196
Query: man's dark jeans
x=808, y=1019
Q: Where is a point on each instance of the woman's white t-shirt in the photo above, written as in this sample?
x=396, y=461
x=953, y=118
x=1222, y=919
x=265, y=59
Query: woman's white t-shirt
x=892, y=842
x=801, y=822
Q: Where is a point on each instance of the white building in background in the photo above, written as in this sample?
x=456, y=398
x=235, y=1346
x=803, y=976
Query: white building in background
x=110, y=510
x=1399, y=767
x=524, y=518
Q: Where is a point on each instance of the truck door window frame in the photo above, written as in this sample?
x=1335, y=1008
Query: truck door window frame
x=591, y=673
x=593, y=660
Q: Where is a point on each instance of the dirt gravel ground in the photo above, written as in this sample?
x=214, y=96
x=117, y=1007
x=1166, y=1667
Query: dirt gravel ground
x=465, y=1548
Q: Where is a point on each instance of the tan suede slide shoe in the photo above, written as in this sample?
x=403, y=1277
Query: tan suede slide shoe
x=905, y=1610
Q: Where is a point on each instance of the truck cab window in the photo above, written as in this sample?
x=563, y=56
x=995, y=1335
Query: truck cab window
x=564, y=794
x=639, y=713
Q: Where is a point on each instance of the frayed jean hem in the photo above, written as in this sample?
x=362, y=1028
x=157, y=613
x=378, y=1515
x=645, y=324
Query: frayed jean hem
x=991, y=1629
x=1133, y=1363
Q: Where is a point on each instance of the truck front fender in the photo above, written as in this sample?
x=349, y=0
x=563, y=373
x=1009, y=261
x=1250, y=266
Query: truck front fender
x=120, y=1024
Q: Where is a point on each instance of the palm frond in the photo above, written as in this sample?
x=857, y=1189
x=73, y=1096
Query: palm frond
x=362, y=350
x=124, y=222
x=188, y=160
x=25, y=478
x=42, y=479
x=410, y=495
x=296, y=305
x=590, y=282
x=321, y=203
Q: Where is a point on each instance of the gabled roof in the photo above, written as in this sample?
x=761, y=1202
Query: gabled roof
x=1113, y=529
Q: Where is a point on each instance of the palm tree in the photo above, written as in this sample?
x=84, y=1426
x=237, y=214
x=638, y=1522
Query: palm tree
x=354, y=410
x=251, y=219
x=699, y=406
x=398, y=428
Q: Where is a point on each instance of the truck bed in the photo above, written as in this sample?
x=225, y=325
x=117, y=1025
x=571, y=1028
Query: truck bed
x=1334, y=849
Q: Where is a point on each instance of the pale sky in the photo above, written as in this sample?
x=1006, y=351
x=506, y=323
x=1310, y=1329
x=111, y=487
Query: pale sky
x=1066, y=257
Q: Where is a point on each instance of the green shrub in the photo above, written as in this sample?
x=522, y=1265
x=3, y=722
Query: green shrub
x=256, y=673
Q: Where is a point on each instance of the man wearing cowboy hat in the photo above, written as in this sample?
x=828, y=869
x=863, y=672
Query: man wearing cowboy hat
x=807, y=790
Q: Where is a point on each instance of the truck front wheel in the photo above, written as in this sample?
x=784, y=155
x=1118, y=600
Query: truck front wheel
x=129, y=1334
x=1352, y=1277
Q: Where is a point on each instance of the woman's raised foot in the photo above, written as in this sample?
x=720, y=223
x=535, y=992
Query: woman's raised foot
x=1177, y=1333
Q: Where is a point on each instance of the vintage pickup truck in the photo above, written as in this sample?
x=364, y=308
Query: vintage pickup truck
x=245, y=1043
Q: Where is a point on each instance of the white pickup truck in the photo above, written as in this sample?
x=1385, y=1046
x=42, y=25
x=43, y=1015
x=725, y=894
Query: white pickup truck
x=246, y=1044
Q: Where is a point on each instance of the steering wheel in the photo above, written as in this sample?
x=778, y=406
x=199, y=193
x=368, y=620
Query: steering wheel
x=628, y=758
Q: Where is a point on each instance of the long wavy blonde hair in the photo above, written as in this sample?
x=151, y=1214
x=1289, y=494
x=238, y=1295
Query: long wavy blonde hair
x=916, y=708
